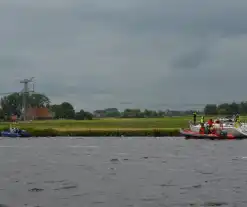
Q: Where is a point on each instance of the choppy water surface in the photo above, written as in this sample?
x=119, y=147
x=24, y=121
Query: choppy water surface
x=114, y=172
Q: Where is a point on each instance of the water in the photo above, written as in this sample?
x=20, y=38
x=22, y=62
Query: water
x=127, y=172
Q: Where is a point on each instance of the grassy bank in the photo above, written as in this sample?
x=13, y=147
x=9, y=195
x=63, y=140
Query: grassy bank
x=168, y=126
x=173, y=122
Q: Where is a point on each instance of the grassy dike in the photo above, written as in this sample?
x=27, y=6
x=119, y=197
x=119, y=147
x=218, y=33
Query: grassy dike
x=153, y=127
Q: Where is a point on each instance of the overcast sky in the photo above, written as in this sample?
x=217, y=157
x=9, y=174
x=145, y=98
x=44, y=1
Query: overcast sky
x=108, y=53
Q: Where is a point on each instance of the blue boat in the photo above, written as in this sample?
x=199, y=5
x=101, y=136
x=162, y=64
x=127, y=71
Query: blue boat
x=16, y=133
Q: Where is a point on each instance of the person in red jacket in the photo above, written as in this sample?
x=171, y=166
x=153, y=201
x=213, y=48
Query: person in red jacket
x=210, y=125
x=210, y=122
x=202, y=129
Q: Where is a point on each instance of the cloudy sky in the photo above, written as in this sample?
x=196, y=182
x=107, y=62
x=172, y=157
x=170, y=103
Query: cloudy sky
x=110, y=53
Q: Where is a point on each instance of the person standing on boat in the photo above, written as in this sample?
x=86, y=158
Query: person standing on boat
x=202, y=129
x=237, y=120
x=202, y=120
x=194, y=116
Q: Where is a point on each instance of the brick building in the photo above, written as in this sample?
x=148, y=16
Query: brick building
x=38, y=114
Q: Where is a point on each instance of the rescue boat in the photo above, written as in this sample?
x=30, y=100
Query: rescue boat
x=231, y=128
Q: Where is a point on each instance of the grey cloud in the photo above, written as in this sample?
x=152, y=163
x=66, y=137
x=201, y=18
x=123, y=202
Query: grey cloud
x=191, y=60
x=100, y=54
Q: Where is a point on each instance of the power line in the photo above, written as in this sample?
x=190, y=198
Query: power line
x=7, y=93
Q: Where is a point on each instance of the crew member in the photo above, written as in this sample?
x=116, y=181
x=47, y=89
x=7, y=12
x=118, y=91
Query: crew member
x=210, y=125
x=202, y=120
x=217, y=127
x=237, y=120
x=194, y=116
x=210, y=122
x=202, y=129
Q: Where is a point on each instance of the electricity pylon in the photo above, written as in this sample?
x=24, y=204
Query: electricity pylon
x=25, y=92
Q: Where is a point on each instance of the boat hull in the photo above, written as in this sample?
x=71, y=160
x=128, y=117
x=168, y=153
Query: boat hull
x=14, y=135
x=195, y=135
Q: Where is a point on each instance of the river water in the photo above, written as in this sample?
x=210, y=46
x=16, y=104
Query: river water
x=122, y=172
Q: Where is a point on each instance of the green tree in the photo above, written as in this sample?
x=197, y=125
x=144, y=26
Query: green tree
x=160, y=113
x=68, y=110
x=243, y=108
x=234, y=108
x=13, y=103
x=80, y=115
x=38, y=100
x=112, y=112
x=210, y=109
x=88, y=115
x=224, y=109
x=150, y=113
x=57, y=110
x=147, y=113
x=64, y=110
x=1, y=114
x=133, y=113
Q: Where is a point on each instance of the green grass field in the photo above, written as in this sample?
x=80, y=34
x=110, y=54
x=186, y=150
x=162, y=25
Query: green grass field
x=134, y=123
x=110, y=123
x=156, y=127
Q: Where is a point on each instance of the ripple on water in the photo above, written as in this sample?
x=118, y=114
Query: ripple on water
x=131, y=172
x=67, y=186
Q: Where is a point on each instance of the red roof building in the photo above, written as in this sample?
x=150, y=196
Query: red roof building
x=38, y=113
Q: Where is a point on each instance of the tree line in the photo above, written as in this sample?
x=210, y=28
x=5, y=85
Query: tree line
x=138, y=113
x=226, y=109
x=13, y=105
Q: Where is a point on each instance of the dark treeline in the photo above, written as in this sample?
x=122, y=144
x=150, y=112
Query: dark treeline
x=226, y=109
x=12, y=105
x=138, y=113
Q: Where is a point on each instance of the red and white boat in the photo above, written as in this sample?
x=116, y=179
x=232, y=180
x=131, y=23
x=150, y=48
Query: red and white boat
x=239, y=131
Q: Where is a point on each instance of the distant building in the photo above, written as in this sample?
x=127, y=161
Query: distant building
x=38, y=113
x=13, y=118
x=99, y=113
x=109, y=112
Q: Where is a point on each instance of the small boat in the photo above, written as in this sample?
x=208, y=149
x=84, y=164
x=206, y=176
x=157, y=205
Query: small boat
x=20, y=133
x=196, y=135
x=230, y=128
